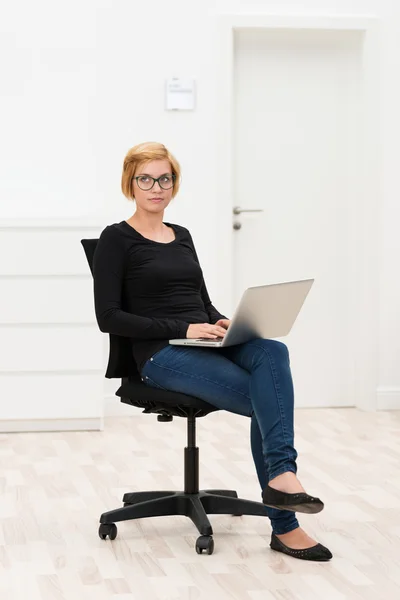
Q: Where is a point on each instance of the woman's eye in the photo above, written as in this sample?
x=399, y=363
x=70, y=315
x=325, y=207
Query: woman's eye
x=144, y=179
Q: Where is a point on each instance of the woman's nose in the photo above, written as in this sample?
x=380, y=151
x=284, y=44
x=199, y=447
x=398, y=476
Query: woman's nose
x=157, y=183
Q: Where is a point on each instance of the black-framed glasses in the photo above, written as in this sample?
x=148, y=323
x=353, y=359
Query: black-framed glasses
x=146, y=182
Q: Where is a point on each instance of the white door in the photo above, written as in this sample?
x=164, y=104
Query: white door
x=296, y=107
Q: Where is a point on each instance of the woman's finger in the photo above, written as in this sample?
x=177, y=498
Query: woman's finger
x=221, y=330
x=215, y=330
x=205, y=332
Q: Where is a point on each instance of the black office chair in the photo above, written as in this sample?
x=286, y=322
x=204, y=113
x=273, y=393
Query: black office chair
x=192, y=502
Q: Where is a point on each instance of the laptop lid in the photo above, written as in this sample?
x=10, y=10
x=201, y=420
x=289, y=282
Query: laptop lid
x=267, y=311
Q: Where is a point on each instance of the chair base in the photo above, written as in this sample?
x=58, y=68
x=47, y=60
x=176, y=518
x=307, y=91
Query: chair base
x=196, y=506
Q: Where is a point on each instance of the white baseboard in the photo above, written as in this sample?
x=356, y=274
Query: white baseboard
x=388, y=399
x=25, y=425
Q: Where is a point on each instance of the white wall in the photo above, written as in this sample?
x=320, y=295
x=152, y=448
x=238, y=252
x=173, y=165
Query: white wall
x=83, y=82
x=48, y=61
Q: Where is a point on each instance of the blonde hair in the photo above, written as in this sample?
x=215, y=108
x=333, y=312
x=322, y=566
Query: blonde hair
x=142, y=153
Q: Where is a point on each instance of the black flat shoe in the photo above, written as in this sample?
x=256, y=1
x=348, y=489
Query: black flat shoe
x=317, y=552
x=300, y=502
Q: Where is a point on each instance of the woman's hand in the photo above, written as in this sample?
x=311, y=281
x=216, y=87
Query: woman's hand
x=205, y=330
x=224, y=323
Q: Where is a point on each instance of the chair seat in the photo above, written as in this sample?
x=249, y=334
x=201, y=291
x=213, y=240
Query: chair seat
x=133, y=391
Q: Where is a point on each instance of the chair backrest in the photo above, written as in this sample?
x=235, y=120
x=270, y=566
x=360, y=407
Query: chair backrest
x=120, y=362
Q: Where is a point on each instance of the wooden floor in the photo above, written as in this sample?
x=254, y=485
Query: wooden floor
x=54, y=486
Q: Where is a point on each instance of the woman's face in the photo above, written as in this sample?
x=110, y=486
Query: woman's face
x=154, y=198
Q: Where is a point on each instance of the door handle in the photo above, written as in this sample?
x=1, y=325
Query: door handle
x=237, y=210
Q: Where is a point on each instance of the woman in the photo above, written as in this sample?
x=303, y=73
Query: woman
x=150, y=267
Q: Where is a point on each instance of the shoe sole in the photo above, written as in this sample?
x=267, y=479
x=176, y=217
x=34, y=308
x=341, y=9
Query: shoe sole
x=310, y=509
x=298, y=557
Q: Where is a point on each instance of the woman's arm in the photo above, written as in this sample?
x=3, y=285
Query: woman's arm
x=212, y=312
x=210, y=308
x=108, y=273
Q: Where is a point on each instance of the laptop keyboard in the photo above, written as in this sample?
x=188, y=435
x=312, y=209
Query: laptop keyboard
x=218, y=339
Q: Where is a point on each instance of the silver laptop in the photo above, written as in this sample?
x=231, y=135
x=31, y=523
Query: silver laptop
x=265, y=311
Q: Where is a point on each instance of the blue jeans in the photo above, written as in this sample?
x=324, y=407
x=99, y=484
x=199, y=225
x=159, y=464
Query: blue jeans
x=251, y=379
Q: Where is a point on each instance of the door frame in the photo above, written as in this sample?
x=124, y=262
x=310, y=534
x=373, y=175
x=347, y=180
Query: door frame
x=367, y=247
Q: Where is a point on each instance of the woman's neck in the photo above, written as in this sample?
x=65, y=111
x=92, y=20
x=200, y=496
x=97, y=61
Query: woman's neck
x=151, y=225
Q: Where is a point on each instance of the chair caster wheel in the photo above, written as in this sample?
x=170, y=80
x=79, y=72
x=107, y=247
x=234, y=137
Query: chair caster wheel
x=205, y=542
x=108, y=529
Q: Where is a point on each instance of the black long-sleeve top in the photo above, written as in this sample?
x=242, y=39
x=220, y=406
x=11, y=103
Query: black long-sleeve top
x=149, y=291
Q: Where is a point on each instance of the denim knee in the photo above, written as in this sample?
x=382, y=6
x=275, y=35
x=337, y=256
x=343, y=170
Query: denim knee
x=278, y=349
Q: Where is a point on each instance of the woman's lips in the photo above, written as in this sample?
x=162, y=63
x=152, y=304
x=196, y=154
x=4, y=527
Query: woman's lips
x=156, y=200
